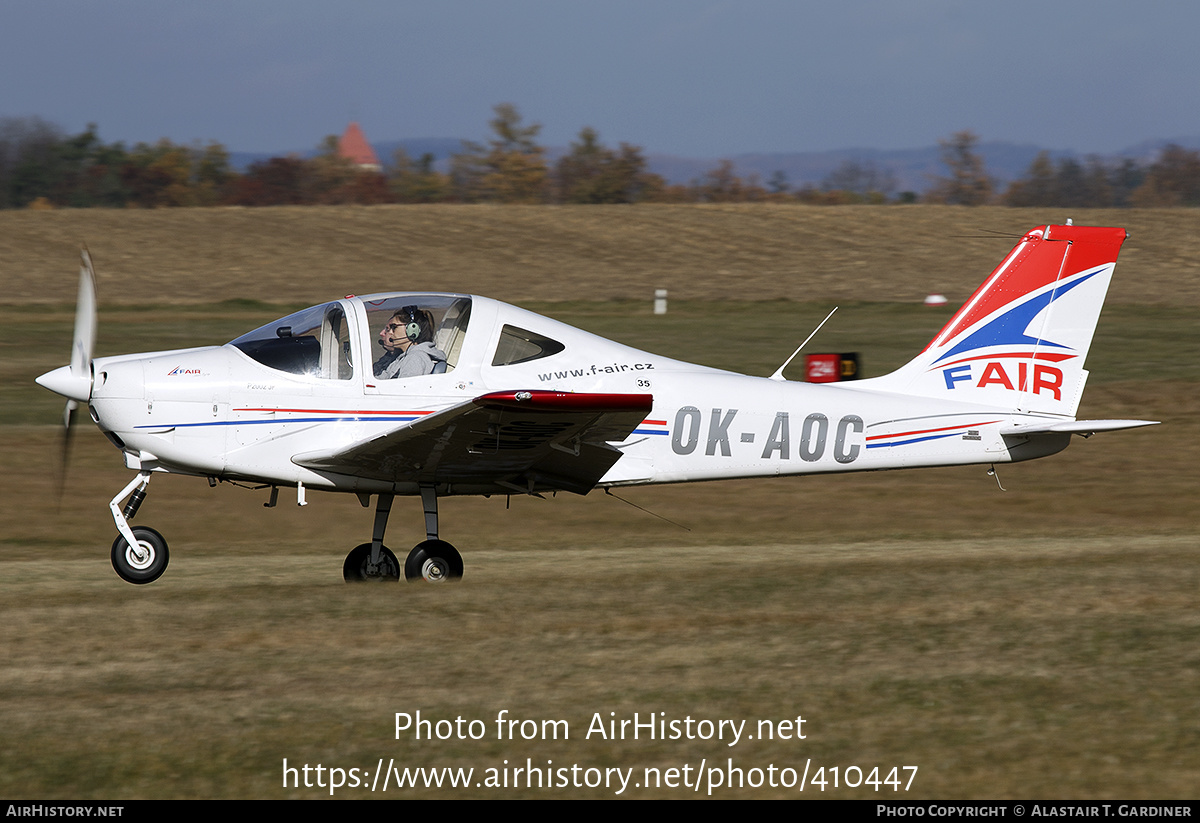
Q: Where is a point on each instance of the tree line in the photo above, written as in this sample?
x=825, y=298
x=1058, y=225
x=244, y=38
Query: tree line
x=41, y=167
x=1173, y=179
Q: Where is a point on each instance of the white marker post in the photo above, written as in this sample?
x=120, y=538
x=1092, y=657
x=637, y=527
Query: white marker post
x=660, y=301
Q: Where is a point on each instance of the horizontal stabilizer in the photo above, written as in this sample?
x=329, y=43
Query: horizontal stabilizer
x=1084, y=427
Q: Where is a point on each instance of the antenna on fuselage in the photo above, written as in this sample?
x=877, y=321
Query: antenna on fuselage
x=778, y=375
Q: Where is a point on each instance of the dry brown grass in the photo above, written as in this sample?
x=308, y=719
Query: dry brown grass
x=754, y=251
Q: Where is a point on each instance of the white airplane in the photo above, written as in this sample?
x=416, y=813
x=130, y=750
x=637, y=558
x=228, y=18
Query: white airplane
x=474, y=396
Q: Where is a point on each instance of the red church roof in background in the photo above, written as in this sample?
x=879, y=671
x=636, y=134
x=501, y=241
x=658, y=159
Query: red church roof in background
x=354, y=146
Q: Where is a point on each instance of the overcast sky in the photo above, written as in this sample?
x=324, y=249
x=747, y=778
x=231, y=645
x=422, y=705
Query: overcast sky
x=702, y=78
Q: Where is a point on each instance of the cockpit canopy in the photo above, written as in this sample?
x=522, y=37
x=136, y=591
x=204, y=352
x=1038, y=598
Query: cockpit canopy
x=316, y=342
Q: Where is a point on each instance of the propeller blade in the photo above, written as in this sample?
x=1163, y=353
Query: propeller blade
x=84, y=342
x=64, y=452
x=75, y=380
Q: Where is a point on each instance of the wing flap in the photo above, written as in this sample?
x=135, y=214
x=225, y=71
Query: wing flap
x=514, y=440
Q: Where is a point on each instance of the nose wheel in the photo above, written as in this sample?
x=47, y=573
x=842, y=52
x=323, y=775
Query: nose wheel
x=143, y=562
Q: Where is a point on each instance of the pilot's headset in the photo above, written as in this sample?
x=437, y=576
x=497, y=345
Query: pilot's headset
x=416, y=324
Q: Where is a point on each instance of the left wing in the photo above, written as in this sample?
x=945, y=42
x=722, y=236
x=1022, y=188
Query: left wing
x=523, y=441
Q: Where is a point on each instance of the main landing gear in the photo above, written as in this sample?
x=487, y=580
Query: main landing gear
x=139, y=555
x=431, y=560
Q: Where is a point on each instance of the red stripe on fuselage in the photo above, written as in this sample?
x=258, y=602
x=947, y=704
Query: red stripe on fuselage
x=931, y=431
x=337, y=411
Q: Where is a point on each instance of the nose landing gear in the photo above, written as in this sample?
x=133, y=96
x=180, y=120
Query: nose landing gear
x=139, y=554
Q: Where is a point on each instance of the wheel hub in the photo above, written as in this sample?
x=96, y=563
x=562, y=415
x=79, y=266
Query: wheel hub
x=140, y=556
x=435, y=570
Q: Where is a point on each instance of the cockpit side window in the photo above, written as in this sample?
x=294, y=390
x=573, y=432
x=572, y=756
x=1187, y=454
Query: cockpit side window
x=314, y=342
x=518, y=345
x=416, y=334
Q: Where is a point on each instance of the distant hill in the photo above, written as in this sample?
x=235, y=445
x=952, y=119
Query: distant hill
x=912, y=169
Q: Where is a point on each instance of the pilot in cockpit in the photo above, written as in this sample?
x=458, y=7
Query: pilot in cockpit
x=407, y=339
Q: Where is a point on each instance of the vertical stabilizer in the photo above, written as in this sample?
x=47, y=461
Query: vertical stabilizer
x=1021, y=340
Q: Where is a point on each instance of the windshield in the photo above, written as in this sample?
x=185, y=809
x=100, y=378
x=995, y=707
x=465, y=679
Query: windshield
x=314, y=342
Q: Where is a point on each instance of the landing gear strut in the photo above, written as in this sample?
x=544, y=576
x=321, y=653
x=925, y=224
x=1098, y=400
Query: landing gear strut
x=139, y=555
x=373, y=561
x=431, y=560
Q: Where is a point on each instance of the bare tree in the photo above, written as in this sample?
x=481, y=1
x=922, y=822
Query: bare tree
x=968, y=183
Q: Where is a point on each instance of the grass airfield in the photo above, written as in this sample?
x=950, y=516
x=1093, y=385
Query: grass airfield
x=1038, y=642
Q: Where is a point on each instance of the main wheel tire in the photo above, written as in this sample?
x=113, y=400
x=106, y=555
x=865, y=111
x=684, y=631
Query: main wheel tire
x=358, y=565
x=144, y=563
x=434, y=561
